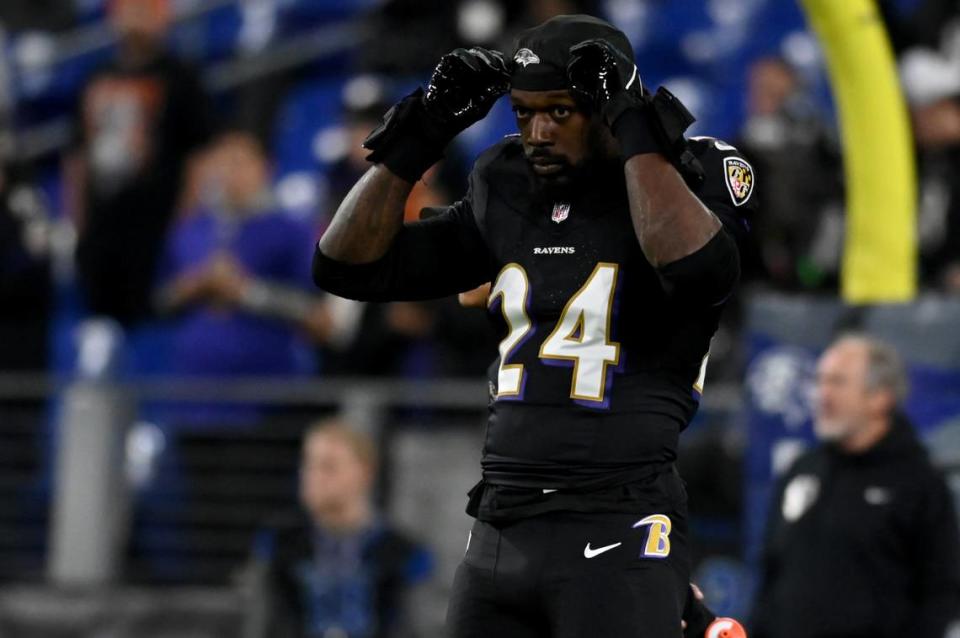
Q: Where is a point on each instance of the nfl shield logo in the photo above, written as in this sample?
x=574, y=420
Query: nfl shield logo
x=560, y=212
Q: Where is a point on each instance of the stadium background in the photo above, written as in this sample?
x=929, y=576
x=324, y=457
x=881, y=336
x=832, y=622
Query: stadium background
x=114, y=520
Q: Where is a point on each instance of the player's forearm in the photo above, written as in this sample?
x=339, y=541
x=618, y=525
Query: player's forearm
x=368, y=219
x=669, y=221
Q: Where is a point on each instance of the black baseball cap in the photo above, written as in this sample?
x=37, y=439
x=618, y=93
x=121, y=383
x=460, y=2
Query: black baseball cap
x=541, y=54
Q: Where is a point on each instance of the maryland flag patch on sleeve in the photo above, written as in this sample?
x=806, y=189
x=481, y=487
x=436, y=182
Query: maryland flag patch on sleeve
x=739, y=179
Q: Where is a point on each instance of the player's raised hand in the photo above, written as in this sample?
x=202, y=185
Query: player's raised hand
x=464, y=85
x=603, y=78
x=414, y=133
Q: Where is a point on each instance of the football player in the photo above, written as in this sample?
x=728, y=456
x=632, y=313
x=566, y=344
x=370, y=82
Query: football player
x=611, y=244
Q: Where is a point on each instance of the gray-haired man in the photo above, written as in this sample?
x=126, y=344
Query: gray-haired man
x=862, y=537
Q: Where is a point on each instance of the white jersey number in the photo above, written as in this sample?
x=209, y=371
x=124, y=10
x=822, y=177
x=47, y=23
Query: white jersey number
x=581, y=336
x=513, y=289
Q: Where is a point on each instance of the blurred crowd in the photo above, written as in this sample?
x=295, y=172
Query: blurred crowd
x=166, y=207
x=159, y=208
x=167, y=210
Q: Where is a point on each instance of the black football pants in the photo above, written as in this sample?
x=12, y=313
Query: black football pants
x=573, y=575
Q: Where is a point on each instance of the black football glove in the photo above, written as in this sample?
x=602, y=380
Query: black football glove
x=415, y=131
x=464, y=86
x=607, y=82
x=596, y=75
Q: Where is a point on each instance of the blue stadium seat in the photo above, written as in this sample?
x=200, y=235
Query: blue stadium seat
x=220, y=30
x=309, y=109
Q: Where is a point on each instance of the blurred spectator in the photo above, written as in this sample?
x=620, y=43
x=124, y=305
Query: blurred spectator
x=139, y=120
x=236, y=274
x=338, y=569
x=800, y=232
x=24, y=274
x=862, y=537
x=236, y=293
x=927, y=41
x=932, y=84
x=936, y=126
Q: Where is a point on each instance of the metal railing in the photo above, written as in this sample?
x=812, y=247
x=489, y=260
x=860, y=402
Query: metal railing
x=436, y=393
x=99, y=427
x=194, y=524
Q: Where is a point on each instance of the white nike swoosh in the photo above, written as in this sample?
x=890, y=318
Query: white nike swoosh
x=590, y=553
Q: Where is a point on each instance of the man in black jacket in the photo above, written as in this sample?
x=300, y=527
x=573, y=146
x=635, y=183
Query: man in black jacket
x=862, y=536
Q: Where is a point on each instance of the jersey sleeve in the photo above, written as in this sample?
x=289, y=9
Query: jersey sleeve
x=432, y=258
x=709, y=275
x=728, y=185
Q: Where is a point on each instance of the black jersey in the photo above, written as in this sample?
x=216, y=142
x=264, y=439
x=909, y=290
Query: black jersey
x=602, y=356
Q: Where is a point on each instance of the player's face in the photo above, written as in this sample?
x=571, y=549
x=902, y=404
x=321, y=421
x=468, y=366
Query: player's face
x=558, y=138
x=844, y=401
x=331, y=474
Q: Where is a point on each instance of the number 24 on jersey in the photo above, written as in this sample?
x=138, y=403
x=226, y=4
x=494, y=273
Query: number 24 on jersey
x=581, y=337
